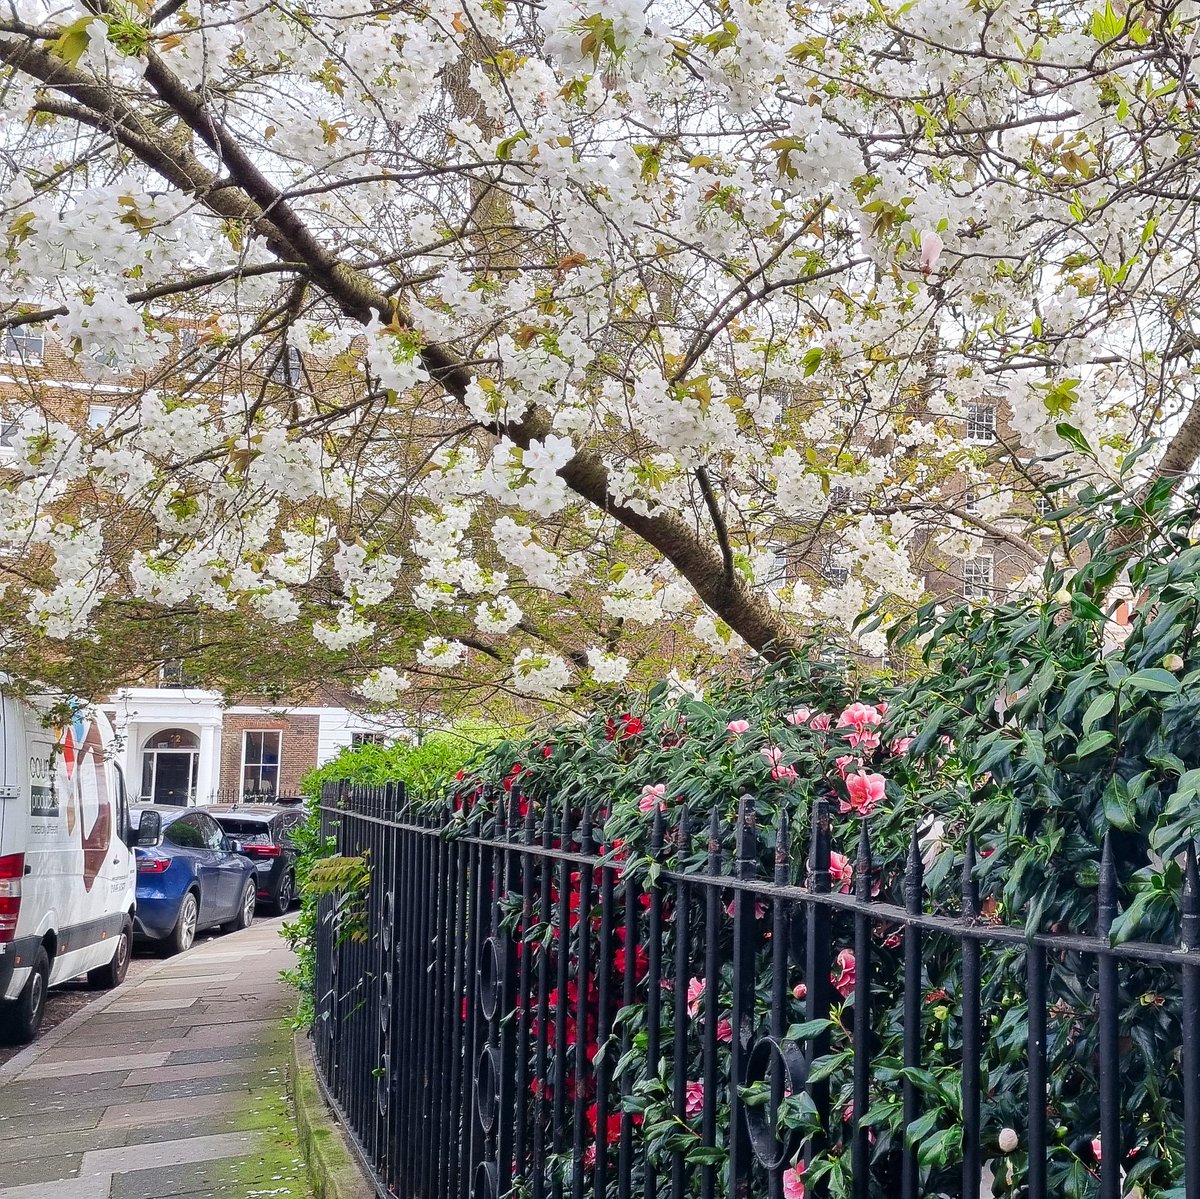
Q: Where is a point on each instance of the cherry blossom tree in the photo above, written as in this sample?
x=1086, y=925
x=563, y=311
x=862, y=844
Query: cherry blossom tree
x=634, y=311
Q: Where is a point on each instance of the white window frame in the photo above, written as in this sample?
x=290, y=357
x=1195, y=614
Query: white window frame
x=99, y=416
x=977, y=421
x=971, y=500
x=776, y=579
x=288, y=368
x=974, y=589
x=278, y=765
x=832, y=569
x=10, y=352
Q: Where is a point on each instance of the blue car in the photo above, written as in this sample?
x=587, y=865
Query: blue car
x=190, y=876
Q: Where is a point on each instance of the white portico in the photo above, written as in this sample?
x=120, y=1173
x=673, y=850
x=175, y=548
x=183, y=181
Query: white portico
x=172, y=743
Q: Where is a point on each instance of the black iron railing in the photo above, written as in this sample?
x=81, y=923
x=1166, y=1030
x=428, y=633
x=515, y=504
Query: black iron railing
x=520, y=1011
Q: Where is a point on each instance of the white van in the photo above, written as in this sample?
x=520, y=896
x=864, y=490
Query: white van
x=67, y=872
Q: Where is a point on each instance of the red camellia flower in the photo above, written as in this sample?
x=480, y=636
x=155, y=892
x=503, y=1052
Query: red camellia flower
x=624, y=726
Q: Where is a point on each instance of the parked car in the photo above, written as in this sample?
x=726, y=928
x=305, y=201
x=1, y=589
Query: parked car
x=66, y=862
x=265, y=835
x=194, y=877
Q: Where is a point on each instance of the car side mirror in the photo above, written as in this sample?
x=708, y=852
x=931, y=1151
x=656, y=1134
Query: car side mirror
x=149, y=830
x=235, y=846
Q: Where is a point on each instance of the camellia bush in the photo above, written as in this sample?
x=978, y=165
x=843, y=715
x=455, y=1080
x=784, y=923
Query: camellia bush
x=1036, y=727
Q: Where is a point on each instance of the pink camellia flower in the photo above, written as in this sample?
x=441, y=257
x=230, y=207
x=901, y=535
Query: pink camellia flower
x=1096, y=1147
x=841, y=869
x=724, y=1031
x=695, y=994
x=820, y=722
x=864, y=742
x=693, y=1103
x=844, y=981
x=738, y=727
x=859, y=716
x=866, y=790
x=799, y=716
x=846, y=764
x=652, y=796
x=931, y=250
x=793, y=1182
x=902, y=745
x=778, y=770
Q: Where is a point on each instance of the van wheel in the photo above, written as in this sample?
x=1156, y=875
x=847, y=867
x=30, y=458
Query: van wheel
x=104, y=978
x=184, y=932
x=20, y=1020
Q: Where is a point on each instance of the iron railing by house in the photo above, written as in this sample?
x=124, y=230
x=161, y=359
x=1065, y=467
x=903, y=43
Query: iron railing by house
x=519, y=1011
x=233, y=795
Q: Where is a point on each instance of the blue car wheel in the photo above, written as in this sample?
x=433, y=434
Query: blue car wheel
x=184, y=933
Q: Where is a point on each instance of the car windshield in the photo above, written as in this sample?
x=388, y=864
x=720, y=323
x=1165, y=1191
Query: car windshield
x=252, y=831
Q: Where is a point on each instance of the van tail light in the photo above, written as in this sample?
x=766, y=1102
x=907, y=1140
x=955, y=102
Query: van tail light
x=12, y=871
x=153, y=864
x=263, y=851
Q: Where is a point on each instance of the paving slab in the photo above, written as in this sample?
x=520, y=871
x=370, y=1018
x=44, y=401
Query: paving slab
x=43, y=1169
x=75, y=1067
x=34, y=1128
x=189, y=1071
x=19, y=1100
x=65, y=1144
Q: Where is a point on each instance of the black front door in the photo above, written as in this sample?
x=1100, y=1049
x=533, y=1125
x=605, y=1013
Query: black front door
x=174, y=776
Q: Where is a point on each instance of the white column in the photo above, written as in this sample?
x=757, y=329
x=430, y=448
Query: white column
x=208, y=768
x=133, y=760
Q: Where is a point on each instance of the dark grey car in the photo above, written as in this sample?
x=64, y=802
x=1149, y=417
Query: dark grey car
x=264, y=833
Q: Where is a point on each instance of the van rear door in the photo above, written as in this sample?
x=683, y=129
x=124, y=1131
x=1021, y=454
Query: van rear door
x=10, y=791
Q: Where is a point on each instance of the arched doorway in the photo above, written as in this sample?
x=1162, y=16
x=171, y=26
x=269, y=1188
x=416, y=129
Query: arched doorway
x=169, y=761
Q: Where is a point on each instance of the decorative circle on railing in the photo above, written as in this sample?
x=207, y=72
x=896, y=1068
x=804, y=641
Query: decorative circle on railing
x=487, y=1181
x=487, y=1087
x=385, y=928
x=383, y=1083
x=385, y=999
x=489, y=977
x=769, y=1058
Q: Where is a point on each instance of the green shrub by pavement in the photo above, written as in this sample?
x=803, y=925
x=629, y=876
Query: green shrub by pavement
x=427, y=770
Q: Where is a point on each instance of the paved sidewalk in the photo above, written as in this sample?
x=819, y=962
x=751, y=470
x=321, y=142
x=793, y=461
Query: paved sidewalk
x=171, y=1085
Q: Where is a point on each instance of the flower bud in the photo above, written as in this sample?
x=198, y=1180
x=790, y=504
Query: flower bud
x=1172, y=662
x=1008, y=1140
x=1062, y=596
